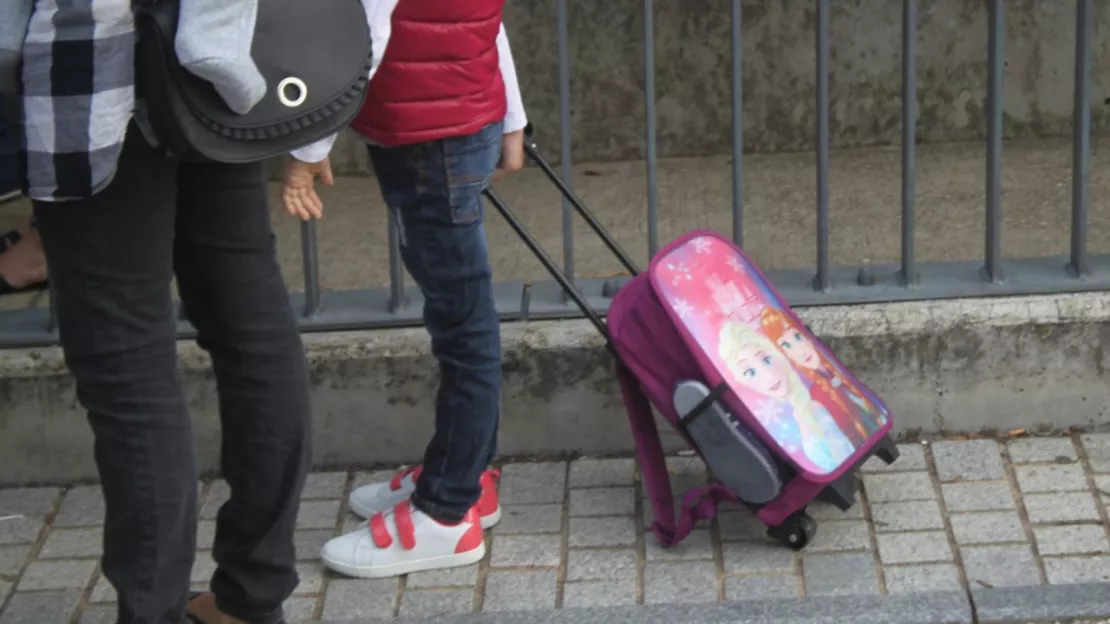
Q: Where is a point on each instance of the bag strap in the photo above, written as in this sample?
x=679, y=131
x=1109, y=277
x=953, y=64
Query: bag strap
x=649, y=453
x=697, y=504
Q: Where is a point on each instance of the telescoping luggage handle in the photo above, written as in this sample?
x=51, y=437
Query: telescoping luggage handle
x=557, y=273
x=544, y=258
x=697, y=504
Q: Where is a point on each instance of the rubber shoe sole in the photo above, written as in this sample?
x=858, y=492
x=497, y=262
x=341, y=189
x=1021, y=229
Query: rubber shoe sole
x=490, y=521
x=458, y=560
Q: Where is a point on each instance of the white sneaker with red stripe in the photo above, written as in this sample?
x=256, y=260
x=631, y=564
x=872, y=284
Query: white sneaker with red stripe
x=378, y=497
x=404, y=540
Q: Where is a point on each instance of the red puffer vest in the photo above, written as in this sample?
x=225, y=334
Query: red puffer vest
x=439, y=77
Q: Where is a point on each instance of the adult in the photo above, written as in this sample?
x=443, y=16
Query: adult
x=119, y=220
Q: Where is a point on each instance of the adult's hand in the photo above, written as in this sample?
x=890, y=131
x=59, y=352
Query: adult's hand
x=299, y=191
x=512, y=154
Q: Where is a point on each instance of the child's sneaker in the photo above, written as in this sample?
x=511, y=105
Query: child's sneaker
x=405, y=540
x=378, y=497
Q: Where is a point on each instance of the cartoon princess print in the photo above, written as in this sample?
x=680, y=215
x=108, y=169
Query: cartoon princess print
x=787, y=411
x=844, y=400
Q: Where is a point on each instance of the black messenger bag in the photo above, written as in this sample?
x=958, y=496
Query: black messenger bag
x=315, y=56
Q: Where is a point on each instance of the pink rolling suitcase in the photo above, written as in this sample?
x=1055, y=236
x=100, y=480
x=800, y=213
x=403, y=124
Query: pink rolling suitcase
x=707, y=340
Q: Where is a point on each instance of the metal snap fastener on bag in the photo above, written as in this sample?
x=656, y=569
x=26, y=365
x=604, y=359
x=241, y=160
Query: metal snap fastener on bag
x=294, y=83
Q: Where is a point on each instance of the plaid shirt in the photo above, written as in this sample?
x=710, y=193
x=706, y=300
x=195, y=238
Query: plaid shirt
x=78, y=95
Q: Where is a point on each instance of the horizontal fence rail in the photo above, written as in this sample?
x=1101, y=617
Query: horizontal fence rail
x=823, y=284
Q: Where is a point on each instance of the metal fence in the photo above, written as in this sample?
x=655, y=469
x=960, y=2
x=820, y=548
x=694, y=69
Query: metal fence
x=820, y=285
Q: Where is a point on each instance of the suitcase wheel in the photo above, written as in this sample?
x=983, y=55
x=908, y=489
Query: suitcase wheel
x=798, y=531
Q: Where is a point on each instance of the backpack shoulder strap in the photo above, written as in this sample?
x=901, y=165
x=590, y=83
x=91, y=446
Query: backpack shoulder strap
x=697, y=504
x=649, y=454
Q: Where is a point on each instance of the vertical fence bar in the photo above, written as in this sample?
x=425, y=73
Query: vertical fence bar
x=309, y=259
x=737, y=122
x=396, y=270
x=822, y=281
x=995, y=55
x=564, y=137
x=649, y=111
x=909, y=138
x=1081, y=155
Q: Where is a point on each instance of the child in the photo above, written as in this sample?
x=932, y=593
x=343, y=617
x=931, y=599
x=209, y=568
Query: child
x=442, y=114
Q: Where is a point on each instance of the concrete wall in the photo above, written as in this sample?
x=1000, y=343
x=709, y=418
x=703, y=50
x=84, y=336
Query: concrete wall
x=692, y=57
x=946, y=367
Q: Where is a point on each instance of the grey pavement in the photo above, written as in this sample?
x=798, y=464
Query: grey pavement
x=779, y=218
x=1020, y=525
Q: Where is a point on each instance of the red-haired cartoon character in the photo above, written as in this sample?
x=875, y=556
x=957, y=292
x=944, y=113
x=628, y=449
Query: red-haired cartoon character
x=854, y=413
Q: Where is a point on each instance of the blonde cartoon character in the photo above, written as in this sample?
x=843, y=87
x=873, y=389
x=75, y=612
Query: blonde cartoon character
x=785, y=407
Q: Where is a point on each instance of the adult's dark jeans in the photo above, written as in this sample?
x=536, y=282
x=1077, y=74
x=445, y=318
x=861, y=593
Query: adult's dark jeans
x=9, y=147
x=112, y=259
x=434, y=191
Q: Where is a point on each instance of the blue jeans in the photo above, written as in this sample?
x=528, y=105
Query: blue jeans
x=433, y=190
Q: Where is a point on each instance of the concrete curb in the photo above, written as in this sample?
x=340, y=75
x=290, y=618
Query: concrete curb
x=1037, y=363
x=1012, y=604
x=1054, y=602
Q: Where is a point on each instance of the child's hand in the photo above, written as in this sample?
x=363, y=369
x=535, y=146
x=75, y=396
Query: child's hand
x=299, y=193
x=512, y=154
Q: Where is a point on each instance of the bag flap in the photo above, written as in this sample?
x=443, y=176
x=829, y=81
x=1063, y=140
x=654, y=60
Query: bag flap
x=315, y=57
x=789, y=389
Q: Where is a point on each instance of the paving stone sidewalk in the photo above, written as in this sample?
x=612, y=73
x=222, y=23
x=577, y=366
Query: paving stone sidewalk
x=950, y=515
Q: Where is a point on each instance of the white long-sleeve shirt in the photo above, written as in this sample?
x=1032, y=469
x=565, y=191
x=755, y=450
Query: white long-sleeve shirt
x=378, y=16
